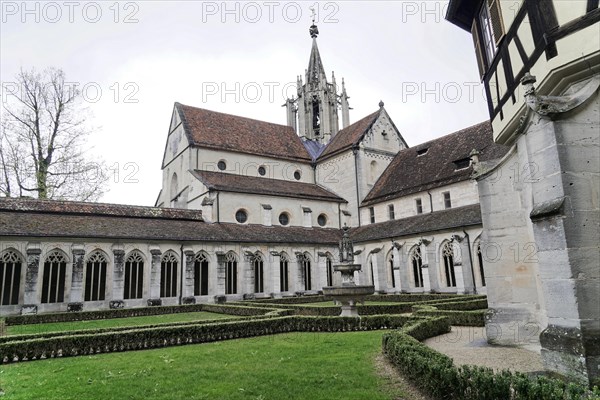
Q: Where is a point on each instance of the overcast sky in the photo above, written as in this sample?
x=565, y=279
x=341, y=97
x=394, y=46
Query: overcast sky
x=135, y=59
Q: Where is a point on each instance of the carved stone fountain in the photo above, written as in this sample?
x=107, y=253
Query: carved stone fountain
x=348, y=294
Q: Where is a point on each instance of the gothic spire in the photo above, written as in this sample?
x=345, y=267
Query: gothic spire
x=315, y=65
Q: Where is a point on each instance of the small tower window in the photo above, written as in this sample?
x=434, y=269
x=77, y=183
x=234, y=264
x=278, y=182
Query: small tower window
x=262, y=170
x=372, y=214
x=391, y=212
x=297, y=175
x=222, y=165
x=447, y=201
x=419, y=205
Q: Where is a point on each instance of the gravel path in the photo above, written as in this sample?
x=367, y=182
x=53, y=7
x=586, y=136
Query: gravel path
x=467, y=345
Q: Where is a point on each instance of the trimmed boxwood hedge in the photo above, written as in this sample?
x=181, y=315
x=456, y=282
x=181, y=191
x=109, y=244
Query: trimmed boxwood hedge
x=459, y=318
x=134, y=312
x=436, y=374
x=70, y=344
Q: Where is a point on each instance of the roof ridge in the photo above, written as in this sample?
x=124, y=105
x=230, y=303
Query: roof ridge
x=234, y=115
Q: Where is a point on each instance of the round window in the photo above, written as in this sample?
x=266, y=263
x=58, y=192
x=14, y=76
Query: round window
x=262, y=171
x=284, y=219
x=222, y=165
x=297, y=175
x=322, y=220
x=241, y=216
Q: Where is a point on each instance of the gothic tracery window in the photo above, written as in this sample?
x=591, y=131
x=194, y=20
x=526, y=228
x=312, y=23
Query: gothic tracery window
x=230, y=273
x=95, y=277
x=134, y=276
x=329, y=266
x=417, y=264
x=10, y=277
x=448, y=257
x=201, y=274
x=258, y=267
x=391, y=277
x=53, y=281
x=283, y=273
x=305, y=265
x=168, y=275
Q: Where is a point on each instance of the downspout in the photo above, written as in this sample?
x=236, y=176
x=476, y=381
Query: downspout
x=181, y=275
x=471, y=259
x=355, y=152
x=218, y=208
x=430, y=202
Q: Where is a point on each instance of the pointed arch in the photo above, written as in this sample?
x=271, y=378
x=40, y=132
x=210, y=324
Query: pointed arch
x=95, y=276
x=479, y=261
x=173, y=188
x=168, y=274
x=329, y=268
x=231, y=273
x=447, y=257
x=54, y=277
x=306, y=270
x=258, y=269
x=11, y=263
x=134, y=275
x=201, y=263
x=416, y=264
x=389, y=262
x=284, y=272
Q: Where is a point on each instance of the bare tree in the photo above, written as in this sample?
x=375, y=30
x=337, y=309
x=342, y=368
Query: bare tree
x=43, y=133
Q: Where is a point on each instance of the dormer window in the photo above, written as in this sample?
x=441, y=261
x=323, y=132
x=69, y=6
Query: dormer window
x=462, y=163
x=422, y=152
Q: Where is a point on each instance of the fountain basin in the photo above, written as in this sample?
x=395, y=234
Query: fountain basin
x=348, y=296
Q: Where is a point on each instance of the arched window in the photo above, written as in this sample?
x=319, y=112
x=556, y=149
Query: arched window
x=448, y=257
x=283, y=273
x=174, y=188
x=230, y=273
x=134, y=276
x=53, y=282
x=391, y=277
x=10, y=277
x=168, y=275
x=329, y=264
x=305, y=267
x=480, y=262
x=257, y=265
x=201, y=274
x=373, y=172
x=95, y=277
x=416, y=261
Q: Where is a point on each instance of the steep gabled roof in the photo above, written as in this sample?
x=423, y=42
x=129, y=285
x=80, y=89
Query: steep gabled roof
x=220, y=181
x=419, y=224
x=432, y=164
x=349, y=136
x=220, y=131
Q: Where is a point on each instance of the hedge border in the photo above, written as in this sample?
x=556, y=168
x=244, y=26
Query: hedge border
x=147, y=338
x=234, y=309
x=436, y=374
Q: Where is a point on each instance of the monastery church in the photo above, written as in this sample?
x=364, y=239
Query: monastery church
x=250, y=209
x=254, y=209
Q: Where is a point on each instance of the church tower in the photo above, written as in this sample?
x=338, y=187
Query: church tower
x=314, y=114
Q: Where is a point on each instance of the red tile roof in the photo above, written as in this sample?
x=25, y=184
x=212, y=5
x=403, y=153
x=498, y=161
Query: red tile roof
x=221, y=181
x=410, y=172
x=349, y=136
x=220, y=131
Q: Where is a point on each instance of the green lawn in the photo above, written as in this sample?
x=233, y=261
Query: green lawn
x=114, y=322
x=288, y=366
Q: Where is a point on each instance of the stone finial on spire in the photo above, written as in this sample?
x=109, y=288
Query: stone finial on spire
x=313, y=30
x=380, y=103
